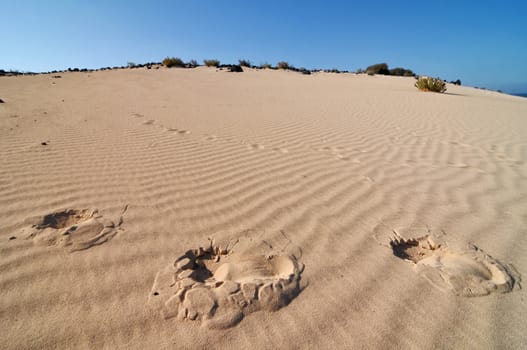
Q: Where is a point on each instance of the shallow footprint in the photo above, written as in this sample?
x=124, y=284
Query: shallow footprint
x=468, y=273
x=76, y=229
x=256, y=146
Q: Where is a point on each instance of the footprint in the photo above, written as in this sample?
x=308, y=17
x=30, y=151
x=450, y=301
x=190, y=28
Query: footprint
x=148, y=122
x=220, y=283
x=183, y=132
x=211, y=137
x=468, y=273
x=256, y=146
x=77, y=229
x=280, y=150
x=137, y=115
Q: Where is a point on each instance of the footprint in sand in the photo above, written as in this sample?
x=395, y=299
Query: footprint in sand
x=469, y=273
x=255, y=146
x=222, y=282
x=148, y=122
x=280, y=150
x=177, y=131
x=76, y=229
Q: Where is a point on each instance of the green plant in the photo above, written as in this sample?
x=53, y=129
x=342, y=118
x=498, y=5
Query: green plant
x=244, y=63
x=379, y=68
x=211, y=63
x=430, y=84
x=173, y=62
x=401, y=72
x=282, y=65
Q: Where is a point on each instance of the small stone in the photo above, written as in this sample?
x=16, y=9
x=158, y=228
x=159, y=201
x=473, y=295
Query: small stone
x=44, y=143
x=185, y=264
x=11, y=238
x=1, y=101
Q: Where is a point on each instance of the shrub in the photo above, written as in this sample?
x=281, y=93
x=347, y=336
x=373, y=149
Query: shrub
x=211, y=63
x=282, y=65
x=244, y=63
x=379, y=68
x=402, y=72
x=173, y=62
x=430, y=84
x=236, y=68
x=456, y=82
x=266, y=65
x=192, y=63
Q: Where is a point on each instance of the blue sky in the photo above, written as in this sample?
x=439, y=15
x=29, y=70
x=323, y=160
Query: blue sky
x=483, y=43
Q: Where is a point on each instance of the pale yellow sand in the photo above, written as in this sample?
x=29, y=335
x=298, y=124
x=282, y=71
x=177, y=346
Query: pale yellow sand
x=333, y=171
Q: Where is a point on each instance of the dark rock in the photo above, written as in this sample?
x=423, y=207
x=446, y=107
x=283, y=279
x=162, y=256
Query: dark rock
x=11, y=238
x=1, y=101
x=44, y=143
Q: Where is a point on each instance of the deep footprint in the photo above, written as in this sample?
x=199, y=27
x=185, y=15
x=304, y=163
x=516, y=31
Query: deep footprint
x=219, y=284
x=468, y=273
x=76, y=229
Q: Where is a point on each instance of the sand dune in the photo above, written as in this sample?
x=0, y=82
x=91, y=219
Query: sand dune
x=371, y=215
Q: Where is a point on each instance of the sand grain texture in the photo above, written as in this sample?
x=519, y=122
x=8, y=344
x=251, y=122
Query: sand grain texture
x=332, y=164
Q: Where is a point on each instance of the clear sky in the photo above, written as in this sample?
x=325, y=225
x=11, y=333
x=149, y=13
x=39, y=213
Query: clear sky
x=483, y=43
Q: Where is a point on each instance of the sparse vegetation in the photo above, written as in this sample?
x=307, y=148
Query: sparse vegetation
x=266, y=65
x=456, y=82
x=430, y=84
x=211, y=63
x=170, y=62
x=193, y=63
x=236, y=68
x=379, y=68
x=402, y=72
x=282, y=65
x=244, y=63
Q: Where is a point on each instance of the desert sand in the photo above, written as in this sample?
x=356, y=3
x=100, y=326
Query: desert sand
x=197, y=208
